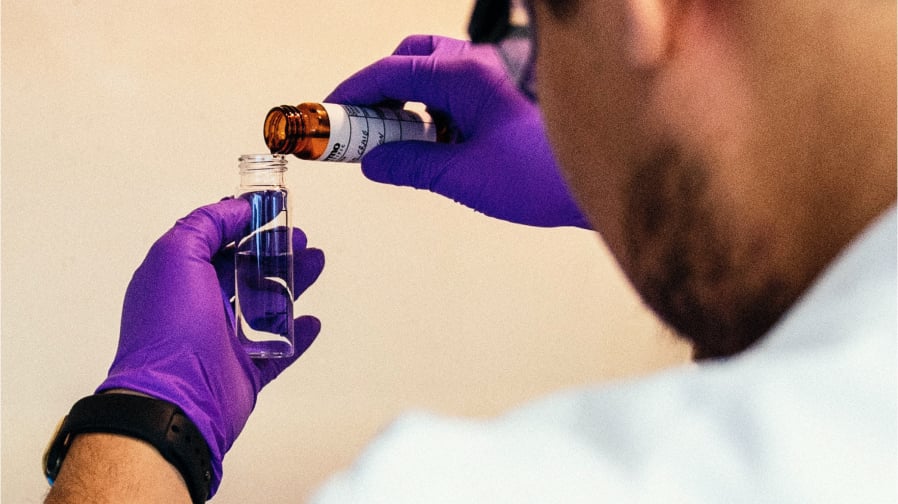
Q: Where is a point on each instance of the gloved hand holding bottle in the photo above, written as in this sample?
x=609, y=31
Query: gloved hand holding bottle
x=177, y=340
x=501, y=163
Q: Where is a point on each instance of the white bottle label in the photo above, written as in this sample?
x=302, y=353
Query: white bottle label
x=357, y=130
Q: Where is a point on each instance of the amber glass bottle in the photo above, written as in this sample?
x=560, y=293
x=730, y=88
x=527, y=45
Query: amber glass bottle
x=331, y=132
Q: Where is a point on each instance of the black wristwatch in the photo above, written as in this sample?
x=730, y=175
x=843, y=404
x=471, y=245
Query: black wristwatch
x=160, y=423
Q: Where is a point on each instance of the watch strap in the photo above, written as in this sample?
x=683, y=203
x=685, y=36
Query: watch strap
x=159, y=423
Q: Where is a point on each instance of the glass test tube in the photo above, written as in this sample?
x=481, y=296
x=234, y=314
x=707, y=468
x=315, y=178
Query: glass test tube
x=263, y=300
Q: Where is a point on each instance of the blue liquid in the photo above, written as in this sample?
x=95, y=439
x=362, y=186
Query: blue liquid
x=264, y=279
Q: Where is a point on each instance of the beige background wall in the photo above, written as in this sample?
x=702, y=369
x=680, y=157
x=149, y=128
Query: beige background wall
x=119, y=117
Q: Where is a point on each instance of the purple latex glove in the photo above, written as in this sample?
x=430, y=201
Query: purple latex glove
x=177, y=339
x=501, y=165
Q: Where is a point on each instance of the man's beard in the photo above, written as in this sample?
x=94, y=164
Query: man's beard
x=715, y=289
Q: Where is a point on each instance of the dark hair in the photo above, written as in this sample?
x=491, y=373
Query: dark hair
x=562, y=9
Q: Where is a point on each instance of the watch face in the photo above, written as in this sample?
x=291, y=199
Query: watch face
x=55, y=452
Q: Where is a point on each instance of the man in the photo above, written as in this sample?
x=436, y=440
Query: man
x=739, y=158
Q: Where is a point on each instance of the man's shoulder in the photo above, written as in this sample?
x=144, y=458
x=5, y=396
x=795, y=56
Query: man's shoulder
x=807, y=415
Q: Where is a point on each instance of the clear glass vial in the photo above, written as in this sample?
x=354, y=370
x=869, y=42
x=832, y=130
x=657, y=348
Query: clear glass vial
x=332, y=132
x=263, y=300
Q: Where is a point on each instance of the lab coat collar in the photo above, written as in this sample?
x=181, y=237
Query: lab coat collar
x=854, y=297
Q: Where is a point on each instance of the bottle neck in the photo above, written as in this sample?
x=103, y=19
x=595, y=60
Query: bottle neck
x=262, y=171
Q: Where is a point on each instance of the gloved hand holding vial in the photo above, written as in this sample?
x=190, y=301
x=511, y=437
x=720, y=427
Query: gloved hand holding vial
x=177, y=341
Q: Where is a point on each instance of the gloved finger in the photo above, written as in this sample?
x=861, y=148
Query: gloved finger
x=538, y=198
x=307, y=266
x=372, y=85
x=300, y=240
x=358, y=88
x=415, y=164
x=445, y=85
x=307, y=263
x=224, y=269
x=425, y=45
x=306, y=329
x=439, y=168
x=206, y=230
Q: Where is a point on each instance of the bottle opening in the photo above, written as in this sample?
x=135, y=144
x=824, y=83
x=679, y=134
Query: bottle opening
x=273, y=162
x=283, y=125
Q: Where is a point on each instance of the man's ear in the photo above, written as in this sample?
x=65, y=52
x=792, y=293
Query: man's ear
x=652, y=28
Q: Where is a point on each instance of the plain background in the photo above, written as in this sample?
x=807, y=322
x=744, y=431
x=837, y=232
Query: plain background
x=120, y=117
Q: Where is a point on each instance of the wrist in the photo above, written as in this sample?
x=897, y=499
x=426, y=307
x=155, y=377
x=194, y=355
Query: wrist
x=159, y=424
x=177, y=392
x=104, y=467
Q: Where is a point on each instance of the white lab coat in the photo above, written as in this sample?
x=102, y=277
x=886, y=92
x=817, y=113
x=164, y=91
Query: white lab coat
x=807, y=416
